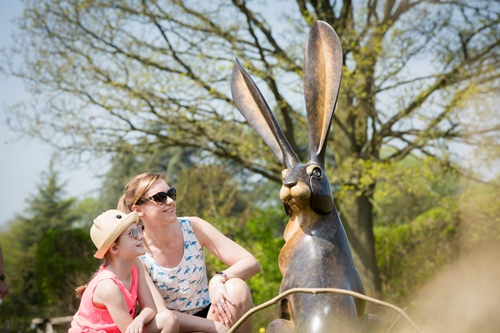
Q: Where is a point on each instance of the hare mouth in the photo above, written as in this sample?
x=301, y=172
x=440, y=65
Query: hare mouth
x=295, y=195
x=292, y=200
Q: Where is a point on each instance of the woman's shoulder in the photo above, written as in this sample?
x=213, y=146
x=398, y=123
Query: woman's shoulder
x=193, y=222
x=203, y=229
x=197, y=224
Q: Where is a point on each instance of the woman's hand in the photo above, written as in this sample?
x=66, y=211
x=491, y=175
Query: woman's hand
x=220, y=301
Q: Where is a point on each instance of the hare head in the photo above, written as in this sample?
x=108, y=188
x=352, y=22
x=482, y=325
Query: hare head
x=303, y=184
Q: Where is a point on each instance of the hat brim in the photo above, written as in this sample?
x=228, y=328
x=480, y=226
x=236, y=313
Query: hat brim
x=115, y=233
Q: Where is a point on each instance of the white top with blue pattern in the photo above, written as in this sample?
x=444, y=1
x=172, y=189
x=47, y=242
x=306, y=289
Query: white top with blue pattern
x=184, y=288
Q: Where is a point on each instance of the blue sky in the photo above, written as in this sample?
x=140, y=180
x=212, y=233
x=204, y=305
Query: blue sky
x=23, y=159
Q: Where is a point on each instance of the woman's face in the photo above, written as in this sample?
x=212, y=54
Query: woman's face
x=153, y=212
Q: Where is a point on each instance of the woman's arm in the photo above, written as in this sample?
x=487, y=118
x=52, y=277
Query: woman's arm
x=241, y=263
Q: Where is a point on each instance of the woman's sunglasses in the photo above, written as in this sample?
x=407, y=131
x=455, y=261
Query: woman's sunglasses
x=134, y=233
x=161, y=197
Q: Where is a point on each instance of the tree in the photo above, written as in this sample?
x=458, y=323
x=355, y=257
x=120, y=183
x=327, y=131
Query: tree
x=64, y=260
x=411, y=187
x=128, y=76
x=47, y=210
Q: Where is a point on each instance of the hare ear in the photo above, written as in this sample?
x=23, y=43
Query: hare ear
x=322, y=75
x=256, y=111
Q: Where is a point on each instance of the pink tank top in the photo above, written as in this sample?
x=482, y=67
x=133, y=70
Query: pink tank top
x=91, y=319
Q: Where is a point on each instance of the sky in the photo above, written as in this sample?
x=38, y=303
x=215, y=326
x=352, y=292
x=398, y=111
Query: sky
x=23, y=160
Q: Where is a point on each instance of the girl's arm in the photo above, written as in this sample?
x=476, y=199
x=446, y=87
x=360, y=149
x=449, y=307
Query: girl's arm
x=108, y=295
x=144, y=296
x=190, y=323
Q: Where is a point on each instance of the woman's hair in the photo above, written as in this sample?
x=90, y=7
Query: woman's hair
x=136, y=189
x=105, y=262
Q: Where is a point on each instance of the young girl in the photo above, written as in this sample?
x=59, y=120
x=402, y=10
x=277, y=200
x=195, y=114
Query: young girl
x=108, y=301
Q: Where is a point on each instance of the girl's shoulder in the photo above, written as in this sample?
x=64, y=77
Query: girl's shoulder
x=106, y=291
x=102, y=274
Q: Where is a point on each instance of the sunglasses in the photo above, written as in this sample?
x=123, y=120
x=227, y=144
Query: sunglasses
x=136, y=232
x=161, y=197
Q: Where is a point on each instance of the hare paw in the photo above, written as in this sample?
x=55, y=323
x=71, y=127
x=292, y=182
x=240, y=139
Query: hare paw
x=280, y=326
x=370, y=323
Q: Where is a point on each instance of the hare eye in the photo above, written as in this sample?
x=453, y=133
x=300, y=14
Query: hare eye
x=316, y=172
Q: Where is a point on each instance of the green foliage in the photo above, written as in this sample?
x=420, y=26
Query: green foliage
x=44, y=258
x=214, y=193
x=410, y=187
x=408, y=254
x=480, y=211
x=48, y=210
x=162, y=103
x=64, y=260
x=131, y=162
x=262, y=235
x=104, y=86
x=86, y=210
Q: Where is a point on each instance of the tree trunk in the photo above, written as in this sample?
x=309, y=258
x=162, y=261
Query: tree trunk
x=357, y=217
x=350, y=128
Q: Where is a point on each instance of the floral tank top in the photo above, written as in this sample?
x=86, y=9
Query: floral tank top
x=184, y=288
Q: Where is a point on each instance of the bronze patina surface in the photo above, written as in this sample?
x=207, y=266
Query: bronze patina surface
x=316, y=253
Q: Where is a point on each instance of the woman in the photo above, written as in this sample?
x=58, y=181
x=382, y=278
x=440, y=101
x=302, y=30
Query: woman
x=176, y=263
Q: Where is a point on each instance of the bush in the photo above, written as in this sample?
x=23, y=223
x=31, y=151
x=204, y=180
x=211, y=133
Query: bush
x=408, y=254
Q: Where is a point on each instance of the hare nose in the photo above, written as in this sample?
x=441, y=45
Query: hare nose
x=289, y=183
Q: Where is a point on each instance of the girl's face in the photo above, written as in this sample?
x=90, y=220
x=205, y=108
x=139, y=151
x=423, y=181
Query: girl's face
x=131, y=242
x=153, y=212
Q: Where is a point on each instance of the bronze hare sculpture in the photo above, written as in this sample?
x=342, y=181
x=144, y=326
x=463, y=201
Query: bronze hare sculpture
x=316, y=253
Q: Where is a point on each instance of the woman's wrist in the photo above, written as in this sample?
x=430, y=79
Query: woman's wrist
x=223, y=276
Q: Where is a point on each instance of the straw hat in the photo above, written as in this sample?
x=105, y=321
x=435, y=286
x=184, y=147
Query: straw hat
x=108, y=227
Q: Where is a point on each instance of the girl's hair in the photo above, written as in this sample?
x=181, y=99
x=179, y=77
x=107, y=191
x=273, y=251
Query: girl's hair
x=105, y=261
x=136, y=189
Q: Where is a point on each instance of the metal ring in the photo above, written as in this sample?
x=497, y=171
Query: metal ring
x=222, y=302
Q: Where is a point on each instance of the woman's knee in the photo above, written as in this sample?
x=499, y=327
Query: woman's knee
x=239, y=291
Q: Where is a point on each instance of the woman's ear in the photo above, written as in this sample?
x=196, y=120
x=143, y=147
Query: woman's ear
x=137, y=209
